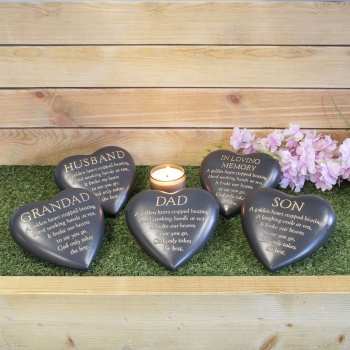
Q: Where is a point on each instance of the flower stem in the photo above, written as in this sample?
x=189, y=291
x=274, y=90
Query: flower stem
x=339, y=111
x=261, y=148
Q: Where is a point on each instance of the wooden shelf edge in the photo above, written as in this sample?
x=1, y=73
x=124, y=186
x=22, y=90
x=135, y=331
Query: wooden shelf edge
x=16, y=285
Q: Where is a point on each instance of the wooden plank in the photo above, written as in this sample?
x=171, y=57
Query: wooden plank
x=201, y=319
x=147, y=146
x=141, y=22
x=174, y=66
x=173, y=108
x=174, y=285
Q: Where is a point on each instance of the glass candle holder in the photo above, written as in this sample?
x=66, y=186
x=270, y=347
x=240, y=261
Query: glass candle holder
x=168, y=178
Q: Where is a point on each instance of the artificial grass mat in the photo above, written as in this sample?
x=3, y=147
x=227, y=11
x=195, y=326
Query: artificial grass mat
x=226, y=254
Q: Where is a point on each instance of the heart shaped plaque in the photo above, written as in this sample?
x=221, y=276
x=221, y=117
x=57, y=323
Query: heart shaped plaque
x=66, y=230
x=231, y=177
x=283, y=229
x=172, y=227
x=108, y=173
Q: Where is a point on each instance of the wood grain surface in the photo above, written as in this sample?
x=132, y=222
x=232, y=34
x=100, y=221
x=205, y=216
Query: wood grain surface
x=174, y=66
x=174, y=285
x=173, y=108
x=171, y=22
x=148, y=146
x=175, y=313
x=167, y=80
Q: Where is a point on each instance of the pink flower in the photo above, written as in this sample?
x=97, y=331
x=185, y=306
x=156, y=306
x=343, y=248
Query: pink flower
x=287, y=161
x=344, y=150
x=345, y=174
x=273, y=140
x=241, y=139
x=295, y=183
x=326, y=175
x=345, y=153
x=325, y=147
x=312, y=135
x=302, y=156
x=306, y=153
x=295, y=135
x=289, y=167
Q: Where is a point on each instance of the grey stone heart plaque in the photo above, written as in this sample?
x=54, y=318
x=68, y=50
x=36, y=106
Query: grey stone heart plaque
x=231, y=177
x=108, y=173
x=283, y=229
x=66, y=230
x=172, y=227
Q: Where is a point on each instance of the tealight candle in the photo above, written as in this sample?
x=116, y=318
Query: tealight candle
x=168, y=178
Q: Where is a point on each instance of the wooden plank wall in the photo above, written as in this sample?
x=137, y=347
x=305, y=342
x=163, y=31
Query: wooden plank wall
x=167, y=79
x=175, y=313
